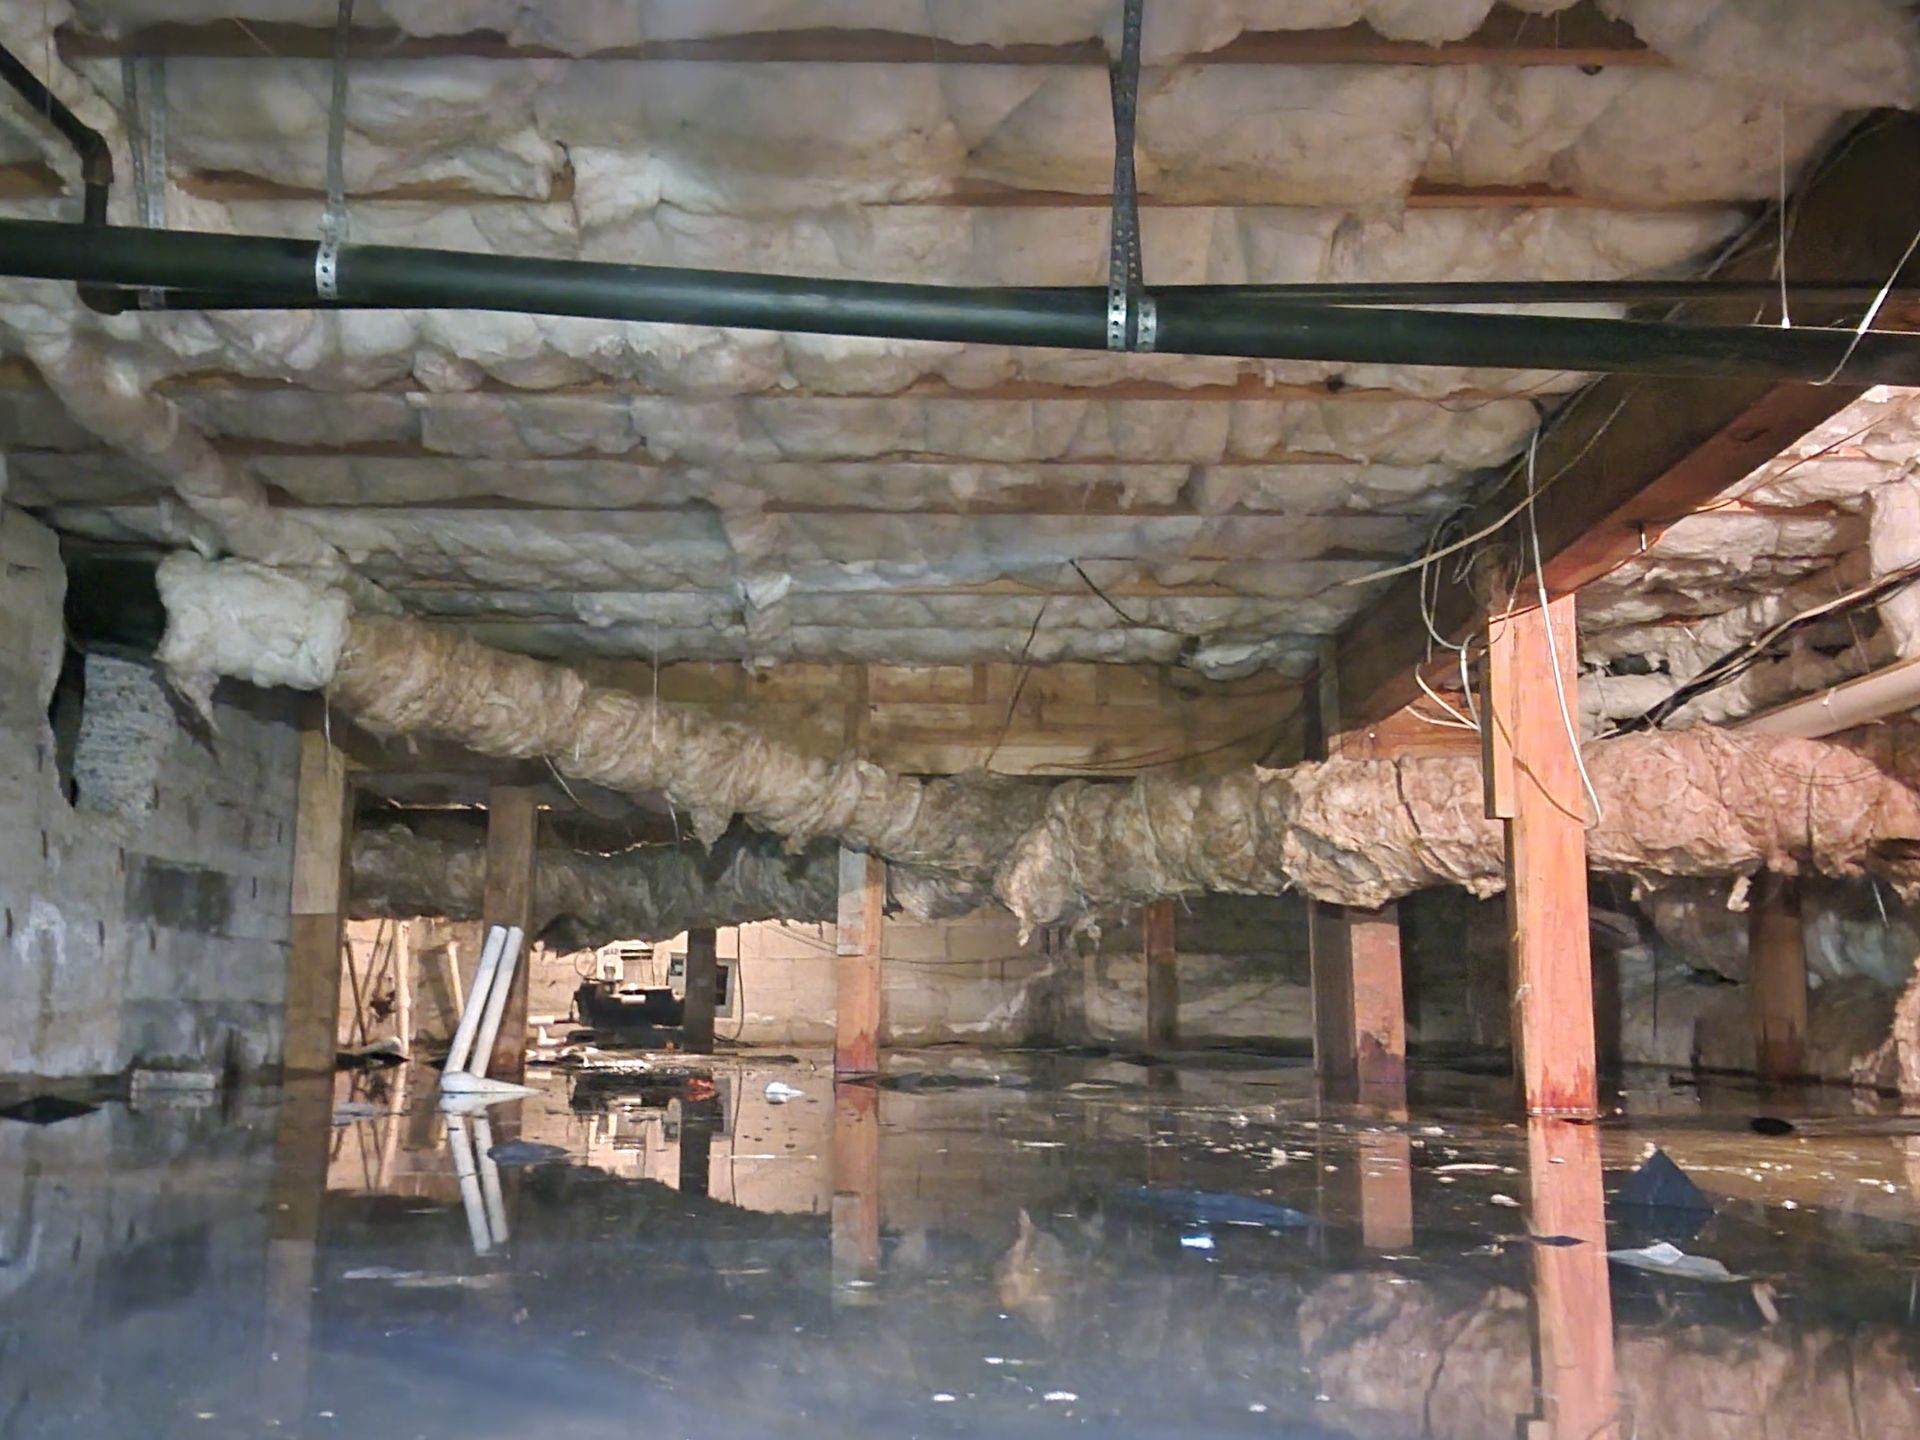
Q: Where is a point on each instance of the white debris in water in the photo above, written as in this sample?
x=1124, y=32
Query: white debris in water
x=779, y=1092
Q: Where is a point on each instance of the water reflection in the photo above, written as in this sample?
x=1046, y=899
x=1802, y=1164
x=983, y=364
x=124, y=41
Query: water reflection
x=986, y=1245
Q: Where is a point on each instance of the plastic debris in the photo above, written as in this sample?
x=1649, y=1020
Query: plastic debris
x=1663, y=1259
x=779, y=1092
x=1215, y=1208
x=1659, y=1202
x=1201, y=1241
x=46, y=1110
x=1771, y=1125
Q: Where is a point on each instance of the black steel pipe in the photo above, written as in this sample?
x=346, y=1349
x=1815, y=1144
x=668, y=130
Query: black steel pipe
x=1213, y=323
x=96, y=161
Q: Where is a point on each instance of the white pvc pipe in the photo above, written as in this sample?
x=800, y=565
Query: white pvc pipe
x=497, y=1002
x=468, y=1174
x=490, y=1179
x=476, y=1002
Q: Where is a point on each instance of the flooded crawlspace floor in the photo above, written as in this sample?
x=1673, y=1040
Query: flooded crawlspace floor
x=996, y=1245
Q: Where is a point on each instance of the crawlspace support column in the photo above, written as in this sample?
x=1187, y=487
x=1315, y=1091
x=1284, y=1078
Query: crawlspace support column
x=1359, y=1008
x=1777, y=977
x=1533, y=783
x=320, y=831
x=856, y=968
x=513, y=816
x=1163, y=976
x=703, y=974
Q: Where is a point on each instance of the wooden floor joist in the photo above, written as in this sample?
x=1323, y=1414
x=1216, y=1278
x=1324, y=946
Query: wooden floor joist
x=1631, y=455
x=1578, y=36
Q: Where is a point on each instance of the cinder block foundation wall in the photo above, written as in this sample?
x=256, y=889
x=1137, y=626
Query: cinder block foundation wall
x=144, y=866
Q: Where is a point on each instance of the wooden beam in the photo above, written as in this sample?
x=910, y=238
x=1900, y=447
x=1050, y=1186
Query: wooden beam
x=1777, y=977
x=1579, y=36
x=322, y=820
x=857, y=974
x=512, y=820
x=703, y=974
x=1385, y=1162
x=1534, y=784
x=1379, y=1006
x=1572, y=1294
x=1158, y=944
x=1330, y=960
x=1631, y=455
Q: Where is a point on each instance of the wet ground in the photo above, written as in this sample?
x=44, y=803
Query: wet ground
x=1003, y=1246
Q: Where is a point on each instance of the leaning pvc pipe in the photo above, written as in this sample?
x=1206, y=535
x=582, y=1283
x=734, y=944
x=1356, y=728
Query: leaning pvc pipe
x=466, y=1170
x=497, y=1002
x=490, y=1179
x=281, y=271
x=476, y=1002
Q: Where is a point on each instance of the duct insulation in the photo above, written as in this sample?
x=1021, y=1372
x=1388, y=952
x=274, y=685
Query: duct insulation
x=1355, y=832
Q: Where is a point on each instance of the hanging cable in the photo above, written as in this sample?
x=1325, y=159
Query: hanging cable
x=1553, y=650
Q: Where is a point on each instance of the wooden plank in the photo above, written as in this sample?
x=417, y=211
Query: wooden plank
x=1549, y=947
x=1777, y=977
x=320, y=834
x=703, y=974
x=1579, y=36
x=1572, y=1294
x=507, y=899
x=1158, y=943
x=1379, y=1007
x=1633, y=454
x=857, y=975
x=1330, y=957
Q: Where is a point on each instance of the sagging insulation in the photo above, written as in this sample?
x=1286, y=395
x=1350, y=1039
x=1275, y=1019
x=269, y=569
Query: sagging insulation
x=1353, y=832
x=584, y=899
x=580, y=900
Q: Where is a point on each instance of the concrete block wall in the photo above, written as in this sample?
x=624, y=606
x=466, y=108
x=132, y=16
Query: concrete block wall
x=145, y=918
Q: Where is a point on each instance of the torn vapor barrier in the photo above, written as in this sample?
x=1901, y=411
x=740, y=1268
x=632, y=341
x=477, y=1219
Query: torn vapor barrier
x=1349, y=832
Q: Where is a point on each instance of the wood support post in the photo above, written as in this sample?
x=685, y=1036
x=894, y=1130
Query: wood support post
x=1163, y=976
x=1534, y=784
x=1573, y=1302
x=1777, y=977
x=1385, y=1162
x=856, y=1183
x=1359, y=1005
x=857, y=978
x=320, y=833
x=703, y=974
x=513, y=817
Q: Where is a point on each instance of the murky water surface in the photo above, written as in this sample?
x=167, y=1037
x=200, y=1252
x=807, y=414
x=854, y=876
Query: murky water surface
x=1003, y=1245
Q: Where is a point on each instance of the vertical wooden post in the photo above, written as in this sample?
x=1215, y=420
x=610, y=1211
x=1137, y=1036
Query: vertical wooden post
x=703, y=974
x=320, y=830
x=1330, y=956
x=1163, y=976
x=856, y=1183
x=513, y=816
x=1379, y=1005
x=1777, y=977
x=1533, y=783
x=1573, y=1304
x=856, y=971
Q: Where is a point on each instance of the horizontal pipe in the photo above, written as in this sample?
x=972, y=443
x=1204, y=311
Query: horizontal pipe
x=1218, y=324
